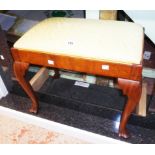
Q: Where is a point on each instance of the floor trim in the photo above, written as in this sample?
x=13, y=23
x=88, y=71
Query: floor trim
x=57, y=127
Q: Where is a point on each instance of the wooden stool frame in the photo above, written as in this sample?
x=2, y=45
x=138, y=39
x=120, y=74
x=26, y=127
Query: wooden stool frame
x=129, y=76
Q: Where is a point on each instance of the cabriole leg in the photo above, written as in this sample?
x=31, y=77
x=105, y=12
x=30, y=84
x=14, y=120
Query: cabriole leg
x=133, y=91
x=20, y=69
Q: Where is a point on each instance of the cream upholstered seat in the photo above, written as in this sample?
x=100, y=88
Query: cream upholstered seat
x=114, y=41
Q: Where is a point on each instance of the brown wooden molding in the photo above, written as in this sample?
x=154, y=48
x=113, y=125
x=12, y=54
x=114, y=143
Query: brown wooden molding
x=127, y=71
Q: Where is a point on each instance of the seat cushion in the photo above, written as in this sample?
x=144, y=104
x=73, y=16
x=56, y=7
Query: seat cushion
x=114, y=41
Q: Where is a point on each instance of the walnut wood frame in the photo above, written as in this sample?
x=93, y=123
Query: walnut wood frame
x=129, y=76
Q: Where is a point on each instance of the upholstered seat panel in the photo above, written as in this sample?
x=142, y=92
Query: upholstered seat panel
x=114, y=41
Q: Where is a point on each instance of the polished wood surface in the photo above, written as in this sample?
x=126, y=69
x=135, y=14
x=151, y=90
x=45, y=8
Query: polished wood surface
x=20, y=69
x=127, y=71
x=129, y=76
x=133, y=91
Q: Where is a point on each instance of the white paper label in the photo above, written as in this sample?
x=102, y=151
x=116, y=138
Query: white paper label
x=147, y=55
x=51, y=62
x=82, y=84
x=105, y=67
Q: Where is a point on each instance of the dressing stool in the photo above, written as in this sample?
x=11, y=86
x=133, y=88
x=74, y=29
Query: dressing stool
x=105, y=48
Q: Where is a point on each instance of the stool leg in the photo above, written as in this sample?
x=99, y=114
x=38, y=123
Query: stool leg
x=56, y=74
x=133, y=91
x=20, y=69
